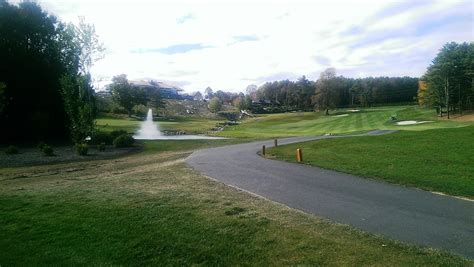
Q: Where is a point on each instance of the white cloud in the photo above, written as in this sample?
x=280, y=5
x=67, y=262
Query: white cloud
x=237, y=43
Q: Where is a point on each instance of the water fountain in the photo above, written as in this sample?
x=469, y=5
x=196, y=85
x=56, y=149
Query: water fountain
x=150, y=131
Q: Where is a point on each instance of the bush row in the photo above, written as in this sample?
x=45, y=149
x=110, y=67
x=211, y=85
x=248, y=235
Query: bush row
x=118, y=138
x=107, y=138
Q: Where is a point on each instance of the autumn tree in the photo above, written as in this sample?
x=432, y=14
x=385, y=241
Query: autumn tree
x=251, y=91
x=449, y=79
x=423, y=96
x=238, y=102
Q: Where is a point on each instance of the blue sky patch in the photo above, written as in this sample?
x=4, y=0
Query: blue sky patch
x=171, y=50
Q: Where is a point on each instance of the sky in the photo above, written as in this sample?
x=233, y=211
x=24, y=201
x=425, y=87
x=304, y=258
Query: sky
x=229, y=45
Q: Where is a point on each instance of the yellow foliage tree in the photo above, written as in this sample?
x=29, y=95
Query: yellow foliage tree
x=423, y=94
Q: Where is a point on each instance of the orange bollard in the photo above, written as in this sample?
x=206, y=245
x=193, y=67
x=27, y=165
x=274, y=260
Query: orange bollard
x=299, y=155
x=275, y=142
x=263, y=150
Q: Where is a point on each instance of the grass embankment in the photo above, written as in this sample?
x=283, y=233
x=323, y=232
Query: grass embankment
x=190, y=125
x=293, y=124
x=149, y=208
x=339, y=122
x=435, y=160
x=107, y=122
x=152, y=147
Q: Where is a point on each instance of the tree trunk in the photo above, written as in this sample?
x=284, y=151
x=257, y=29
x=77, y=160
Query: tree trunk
x=447, y=95
x=327, y=111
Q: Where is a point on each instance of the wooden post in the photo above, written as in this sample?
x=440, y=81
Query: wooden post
x=275, y=142
x=263, y=150
x=299, y=155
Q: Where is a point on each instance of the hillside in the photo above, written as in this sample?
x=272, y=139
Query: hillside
x=190, y=108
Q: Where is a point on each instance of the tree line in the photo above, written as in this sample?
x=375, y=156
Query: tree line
x=45, y=85
x=448, y=83
x=121, y=96
x=46, y=90
x=331, y=91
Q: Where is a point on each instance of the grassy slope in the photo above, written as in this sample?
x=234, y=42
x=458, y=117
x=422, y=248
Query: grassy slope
x=190, y=125
x=110, y=123
x=435, y=160
x=150, y=208
x=294, y=124
x=152, y=147
x=311, y=123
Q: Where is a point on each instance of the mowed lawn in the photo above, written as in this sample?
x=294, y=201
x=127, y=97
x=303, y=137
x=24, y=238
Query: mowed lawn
x=339, y=122
x=108, y=123
x=292, y=124
x=150, y=209
x=435, y=160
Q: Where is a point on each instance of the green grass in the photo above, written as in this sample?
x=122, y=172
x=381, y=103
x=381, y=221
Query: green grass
x=110, y=123
x=190, y=125
x=316, y=123
x=293, y=124
x=185, y=145
x=150, y=209
x=435, y=160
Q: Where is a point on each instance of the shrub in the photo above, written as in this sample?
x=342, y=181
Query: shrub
x=11, y=150
x=102, y=137
x=117, y=109
x=101, y=147
x=41, y=145
x=125, y=140
x=214, y=105
x=140, y=110
x=230, y=115
x=47, y=150
x=116, y=133
x=82, y=149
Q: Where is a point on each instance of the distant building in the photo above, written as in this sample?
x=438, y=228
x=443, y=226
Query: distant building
x=166, y=91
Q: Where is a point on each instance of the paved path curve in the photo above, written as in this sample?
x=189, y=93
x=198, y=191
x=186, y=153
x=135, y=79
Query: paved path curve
x=401, y=213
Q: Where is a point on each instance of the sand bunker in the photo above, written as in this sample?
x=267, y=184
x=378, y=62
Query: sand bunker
x=411, y=122
x=342, y=115
x=465, y=118
x=354, y=110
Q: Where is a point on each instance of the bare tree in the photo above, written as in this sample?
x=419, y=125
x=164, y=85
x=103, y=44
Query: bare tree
x=208, y=93
x=251, y=91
